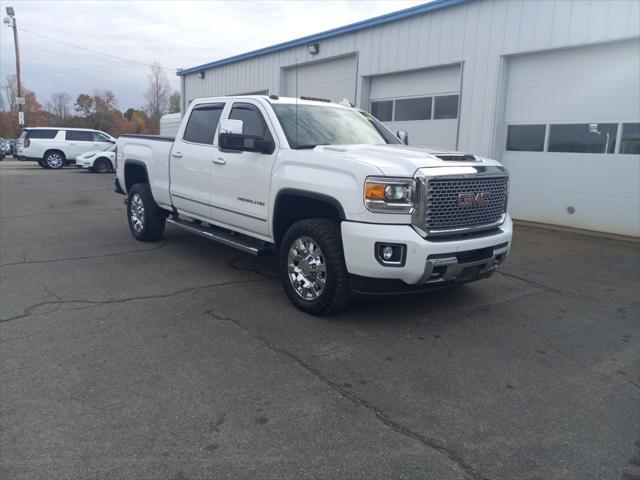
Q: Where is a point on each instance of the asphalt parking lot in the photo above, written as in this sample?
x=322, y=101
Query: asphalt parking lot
x=183, y=359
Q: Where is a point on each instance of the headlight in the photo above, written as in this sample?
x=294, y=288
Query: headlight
x=390, y=195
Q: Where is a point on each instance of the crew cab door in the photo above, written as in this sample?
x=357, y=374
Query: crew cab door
x=240, y=180
x=191, y=161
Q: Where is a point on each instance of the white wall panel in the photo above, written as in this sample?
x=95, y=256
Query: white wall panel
x=332, y=79
x=478, y=34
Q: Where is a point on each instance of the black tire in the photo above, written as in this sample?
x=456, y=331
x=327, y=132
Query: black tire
x=153, y=218
x=54, y=159
x=102, y=165
x=336, y=292
x=42, y=164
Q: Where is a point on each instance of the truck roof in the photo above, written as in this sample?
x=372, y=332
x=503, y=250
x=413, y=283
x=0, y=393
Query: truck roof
x=274, y=99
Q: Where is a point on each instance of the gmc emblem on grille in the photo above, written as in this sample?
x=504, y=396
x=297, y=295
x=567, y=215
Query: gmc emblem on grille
x=467, y=199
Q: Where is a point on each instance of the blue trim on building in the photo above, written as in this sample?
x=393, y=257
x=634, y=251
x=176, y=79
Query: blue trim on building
x=371, y=22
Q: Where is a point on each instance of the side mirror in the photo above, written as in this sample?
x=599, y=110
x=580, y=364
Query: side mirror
x=231, y=126
x=403, y=136
x=245, y=143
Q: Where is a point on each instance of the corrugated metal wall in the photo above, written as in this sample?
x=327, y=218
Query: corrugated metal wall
x=477, y=34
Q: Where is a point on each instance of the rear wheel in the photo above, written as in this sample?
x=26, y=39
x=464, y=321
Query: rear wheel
x=312, y=266
x=146, y=219
x=102, y=165
x=54, y=159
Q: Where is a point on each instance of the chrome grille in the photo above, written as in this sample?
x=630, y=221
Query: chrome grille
x=443, y=211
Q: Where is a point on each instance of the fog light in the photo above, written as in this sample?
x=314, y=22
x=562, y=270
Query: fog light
x=390, y=254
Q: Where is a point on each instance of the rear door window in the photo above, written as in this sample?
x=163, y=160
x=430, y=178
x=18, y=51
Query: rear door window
x=202, y=124
x=79, y=135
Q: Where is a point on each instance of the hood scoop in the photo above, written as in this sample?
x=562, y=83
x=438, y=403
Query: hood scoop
x=460, y=157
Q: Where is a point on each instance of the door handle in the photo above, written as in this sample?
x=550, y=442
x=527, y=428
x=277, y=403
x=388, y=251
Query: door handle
x=220, y=161
x=176, y=154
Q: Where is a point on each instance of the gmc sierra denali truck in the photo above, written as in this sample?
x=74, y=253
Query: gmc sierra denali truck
x=348, y=208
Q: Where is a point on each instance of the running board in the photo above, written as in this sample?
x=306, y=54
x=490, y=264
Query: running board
x=220, y=235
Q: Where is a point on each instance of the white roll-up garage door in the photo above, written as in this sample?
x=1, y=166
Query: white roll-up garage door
x=331, y=79
x=423, y=103
x=572, y=137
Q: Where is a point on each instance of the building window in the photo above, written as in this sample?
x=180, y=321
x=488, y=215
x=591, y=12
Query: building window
x=583, y=138
x=445, y=106
x=525, y=138
x=630, y=138
x=383, y=111
x=413, y=109
x=202, y=124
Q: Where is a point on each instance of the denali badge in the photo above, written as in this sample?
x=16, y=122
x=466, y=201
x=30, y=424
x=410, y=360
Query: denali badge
x=468, y=199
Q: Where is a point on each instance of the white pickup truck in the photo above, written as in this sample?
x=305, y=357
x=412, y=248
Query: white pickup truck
x=346, y=205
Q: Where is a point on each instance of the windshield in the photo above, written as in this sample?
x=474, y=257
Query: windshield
x=320, y=125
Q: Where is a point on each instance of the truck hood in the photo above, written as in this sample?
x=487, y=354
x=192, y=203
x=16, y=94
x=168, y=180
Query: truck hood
x=400, y=160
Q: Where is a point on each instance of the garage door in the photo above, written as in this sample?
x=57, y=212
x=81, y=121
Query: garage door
x=572, y=137
x=332, y=79
x=424, y=103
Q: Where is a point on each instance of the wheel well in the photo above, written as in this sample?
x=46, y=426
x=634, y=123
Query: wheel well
x=134, y=173
x=104, y=159
x=293, y=207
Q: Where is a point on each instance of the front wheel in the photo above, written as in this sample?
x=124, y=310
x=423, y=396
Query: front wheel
x=312, y=266
x=102, y=165
x=146, y=219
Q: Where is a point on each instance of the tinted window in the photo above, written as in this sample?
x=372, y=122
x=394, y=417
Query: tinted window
x=630, y=140
x=253, y=123
x=383, y=111
x=526, y=138
x=202, y=124
x=79, y=136
x=413, y=109
x=583, y=138
x=100, y=137
x=446, y=106
x=42, y=133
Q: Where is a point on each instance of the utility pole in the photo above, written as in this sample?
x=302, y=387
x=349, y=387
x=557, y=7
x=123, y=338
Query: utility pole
x=10, y=20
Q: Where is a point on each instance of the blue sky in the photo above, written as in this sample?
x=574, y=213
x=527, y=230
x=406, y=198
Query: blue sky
x=176, y=34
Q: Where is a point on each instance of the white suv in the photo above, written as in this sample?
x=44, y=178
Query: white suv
x=55, y=147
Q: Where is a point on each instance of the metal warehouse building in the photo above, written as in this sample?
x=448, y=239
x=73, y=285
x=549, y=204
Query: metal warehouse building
x=549, y=87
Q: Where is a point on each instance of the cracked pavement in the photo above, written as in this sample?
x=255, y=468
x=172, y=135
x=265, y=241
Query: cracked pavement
x=183, y=359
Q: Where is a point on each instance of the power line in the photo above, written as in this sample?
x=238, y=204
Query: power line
x=92, y=51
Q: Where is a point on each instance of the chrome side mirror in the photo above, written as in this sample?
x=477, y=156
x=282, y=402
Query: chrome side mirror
x=229, y=125
x=403, y=136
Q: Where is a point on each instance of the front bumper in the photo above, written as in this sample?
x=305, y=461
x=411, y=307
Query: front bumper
x=430, y=263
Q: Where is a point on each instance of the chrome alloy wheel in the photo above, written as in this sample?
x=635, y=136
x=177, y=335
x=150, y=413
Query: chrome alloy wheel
x=54, y=160
x=307, y=268
x=137, y=213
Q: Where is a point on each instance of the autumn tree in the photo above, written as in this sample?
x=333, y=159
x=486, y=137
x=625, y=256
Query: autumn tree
x=156, y=96
x=59, y=106
x=10, y=86
x=84, y=105
x=174, y=102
